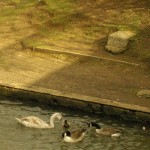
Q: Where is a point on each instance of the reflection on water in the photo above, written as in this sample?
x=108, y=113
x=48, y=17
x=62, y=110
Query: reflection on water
x=14, y=136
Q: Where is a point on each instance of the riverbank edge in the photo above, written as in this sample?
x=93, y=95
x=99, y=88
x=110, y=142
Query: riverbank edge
x=98, y=106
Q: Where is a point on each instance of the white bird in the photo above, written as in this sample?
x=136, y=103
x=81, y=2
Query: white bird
x=74, y=136
x=35, y=122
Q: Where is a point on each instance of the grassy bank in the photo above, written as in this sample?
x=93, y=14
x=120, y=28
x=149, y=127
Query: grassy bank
x=78, y=24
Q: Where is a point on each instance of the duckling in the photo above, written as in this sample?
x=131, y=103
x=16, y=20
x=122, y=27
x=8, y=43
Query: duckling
x=113, y=132
x=74, y=136
x=65, y=124
x=35, y=122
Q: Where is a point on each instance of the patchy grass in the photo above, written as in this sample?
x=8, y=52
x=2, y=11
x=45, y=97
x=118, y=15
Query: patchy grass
x=71, y=23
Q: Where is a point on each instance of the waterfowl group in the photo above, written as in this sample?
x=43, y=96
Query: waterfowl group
x=67, y=136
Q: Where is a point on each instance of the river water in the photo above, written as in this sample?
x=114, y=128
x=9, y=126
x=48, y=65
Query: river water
x=14, y=136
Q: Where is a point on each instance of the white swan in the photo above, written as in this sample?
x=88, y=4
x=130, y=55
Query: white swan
x=35, y=122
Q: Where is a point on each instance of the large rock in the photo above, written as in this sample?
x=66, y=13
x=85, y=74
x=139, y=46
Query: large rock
x=118, y=41
x=144, y=93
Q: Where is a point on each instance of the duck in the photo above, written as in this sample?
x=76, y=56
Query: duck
x=108, y=131
x=74, y=136
x=35, y=122
x=66, y=124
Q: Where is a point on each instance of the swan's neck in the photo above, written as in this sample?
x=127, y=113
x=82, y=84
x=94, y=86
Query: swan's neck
x=52, y=120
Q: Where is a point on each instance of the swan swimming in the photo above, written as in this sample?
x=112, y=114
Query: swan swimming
x=35, y=122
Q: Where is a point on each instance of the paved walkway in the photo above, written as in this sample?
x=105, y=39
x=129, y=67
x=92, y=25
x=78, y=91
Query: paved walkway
x=105, y=81
x=103, y=78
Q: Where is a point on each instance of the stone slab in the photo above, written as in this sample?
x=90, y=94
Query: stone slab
x=144, y=93
x=118, y=41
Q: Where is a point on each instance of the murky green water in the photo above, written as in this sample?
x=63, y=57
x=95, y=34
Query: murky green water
x=14, y=136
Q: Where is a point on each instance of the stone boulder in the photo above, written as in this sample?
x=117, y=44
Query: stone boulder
x=118, y=41
x=144, y=93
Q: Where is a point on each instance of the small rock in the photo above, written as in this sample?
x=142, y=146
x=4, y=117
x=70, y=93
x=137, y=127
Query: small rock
x=118, y=41
x=144, y=93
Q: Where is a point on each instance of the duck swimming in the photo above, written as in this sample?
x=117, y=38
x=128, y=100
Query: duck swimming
x=74, y=136
x=65, y=124
x=35, y=122
x=113, y=132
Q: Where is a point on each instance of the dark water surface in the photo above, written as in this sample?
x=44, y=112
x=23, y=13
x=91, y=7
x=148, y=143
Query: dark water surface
x=14, y=136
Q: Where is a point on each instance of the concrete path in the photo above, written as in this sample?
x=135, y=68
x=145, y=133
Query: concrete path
x=80, y=77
